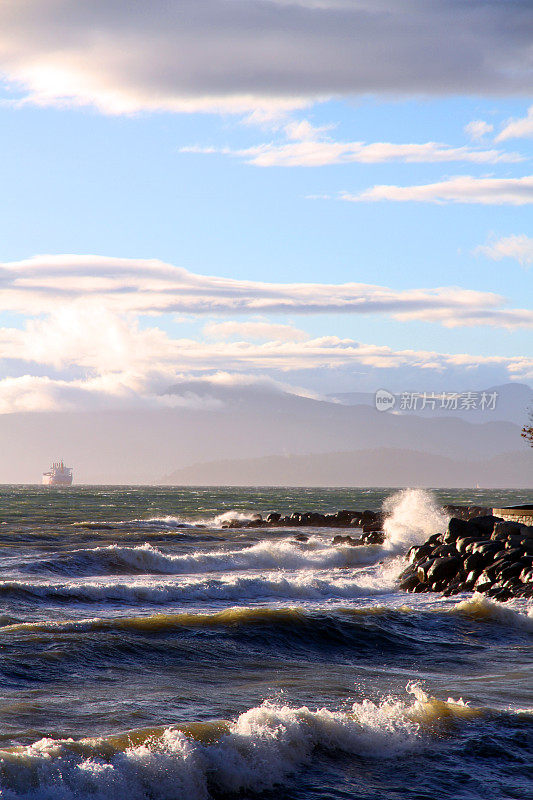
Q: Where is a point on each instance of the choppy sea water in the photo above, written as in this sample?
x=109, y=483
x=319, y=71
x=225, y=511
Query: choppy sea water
x=145, y=657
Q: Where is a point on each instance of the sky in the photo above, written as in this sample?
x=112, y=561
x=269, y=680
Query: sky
x=328, y=195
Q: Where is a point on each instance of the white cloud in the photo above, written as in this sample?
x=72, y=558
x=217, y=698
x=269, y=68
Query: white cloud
x=153, y=352
x=171, y=372
x=261, y=331
x=48, y=284
x=102, y=392
x=462, y=189
x=85, y=334
x=478, y=129
x=303, y=130
x=312, y=152
x=501, y=318
x=84, y=346
x=215, y=55
x=518, y=247
x=518, y=128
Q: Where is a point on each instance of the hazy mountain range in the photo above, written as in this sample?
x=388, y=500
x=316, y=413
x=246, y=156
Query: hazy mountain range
x=381, y=467
x=260, y=435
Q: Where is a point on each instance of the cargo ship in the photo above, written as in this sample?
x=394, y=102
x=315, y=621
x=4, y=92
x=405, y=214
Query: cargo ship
x=58, y=475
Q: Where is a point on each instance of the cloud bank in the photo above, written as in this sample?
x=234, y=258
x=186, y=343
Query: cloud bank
x=161, y=374
x=87, y=346
x=234, y=55
x=46, y=284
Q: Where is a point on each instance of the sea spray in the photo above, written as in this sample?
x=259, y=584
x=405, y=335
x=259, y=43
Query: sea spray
x=413, y=515
x=229, y=516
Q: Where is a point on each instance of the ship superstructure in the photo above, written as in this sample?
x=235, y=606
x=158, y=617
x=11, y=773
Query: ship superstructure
x=58, y=475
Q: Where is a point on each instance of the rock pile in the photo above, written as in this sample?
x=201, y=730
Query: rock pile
x=369, y=521
x=467, y=512
x=482, y=554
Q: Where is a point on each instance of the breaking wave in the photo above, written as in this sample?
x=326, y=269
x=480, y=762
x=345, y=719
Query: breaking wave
x=284, y=554
x=169, y=521
x=479, y=607
x=232, y=588
x=259, y=750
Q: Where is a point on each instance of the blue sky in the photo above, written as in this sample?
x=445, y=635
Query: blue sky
x=93, y=165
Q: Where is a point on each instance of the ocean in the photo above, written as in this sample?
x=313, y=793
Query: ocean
x=149, y=654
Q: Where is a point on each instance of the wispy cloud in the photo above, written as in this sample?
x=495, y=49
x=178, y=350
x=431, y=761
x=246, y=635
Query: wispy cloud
x=222, y=56
x=313, y=152
x=518, y=247
x=462, y=189
x=478, y=129
x=46, y=284
x=518, y=128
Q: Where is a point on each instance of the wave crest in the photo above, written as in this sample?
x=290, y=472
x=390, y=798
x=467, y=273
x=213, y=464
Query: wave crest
x=479, y=607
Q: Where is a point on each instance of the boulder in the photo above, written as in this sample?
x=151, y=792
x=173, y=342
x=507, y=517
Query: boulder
x=423, y=570
x=339, y=539
x=473, y=561
x=443, y=569
x=462, y=544
x=316, y=520
x=483, y=582
x=410, y=583
x=458, y=528
x=373, y=537
x=371, y=526
x=492, y=547
x=485, y=525
x=503, y=529
x=345, y=517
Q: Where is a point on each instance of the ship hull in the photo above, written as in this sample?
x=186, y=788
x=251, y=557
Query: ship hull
x=50, y=480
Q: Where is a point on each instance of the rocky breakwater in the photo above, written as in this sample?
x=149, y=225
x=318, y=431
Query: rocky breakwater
x=482, y=554
x=368, y=523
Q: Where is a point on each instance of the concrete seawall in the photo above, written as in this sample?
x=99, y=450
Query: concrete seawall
x=522, y=514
